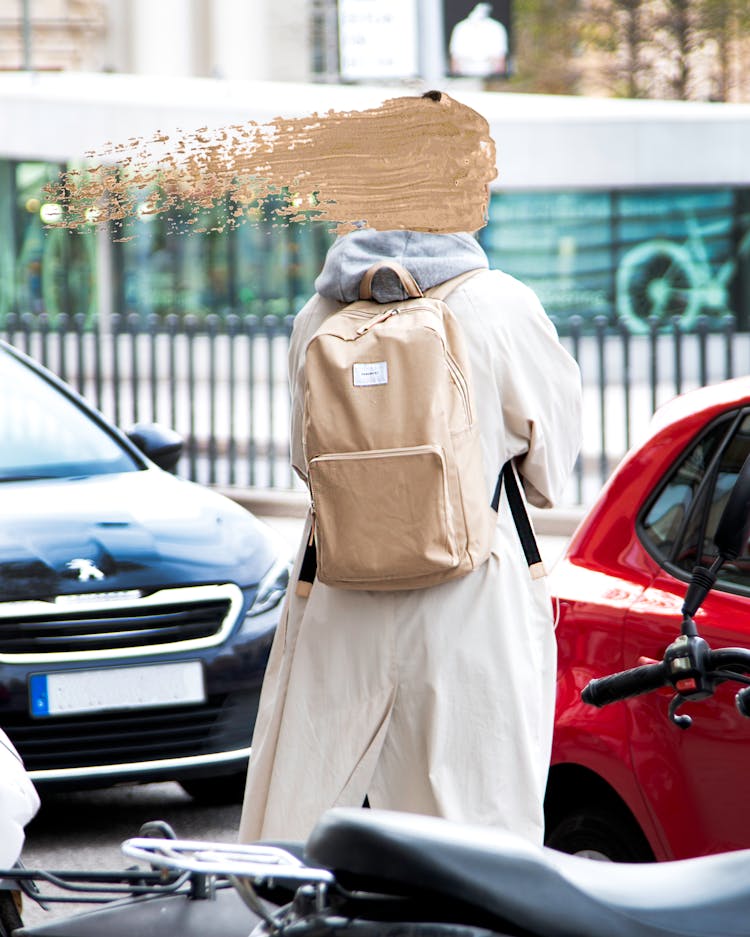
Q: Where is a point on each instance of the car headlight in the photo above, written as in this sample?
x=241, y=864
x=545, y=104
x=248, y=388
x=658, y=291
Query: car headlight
x=271, y=587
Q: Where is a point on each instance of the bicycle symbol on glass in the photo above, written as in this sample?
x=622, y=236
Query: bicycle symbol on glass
x=664, y=279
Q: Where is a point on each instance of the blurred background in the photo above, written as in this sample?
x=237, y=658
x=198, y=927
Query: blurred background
x=622, y=197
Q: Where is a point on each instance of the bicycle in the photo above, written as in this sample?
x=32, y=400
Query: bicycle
x=664, y=280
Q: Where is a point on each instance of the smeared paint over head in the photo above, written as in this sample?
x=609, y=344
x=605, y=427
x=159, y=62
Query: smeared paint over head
x=413, y=163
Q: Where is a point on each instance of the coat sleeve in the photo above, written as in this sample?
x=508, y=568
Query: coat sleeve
x=18, y=799
x=528, y=386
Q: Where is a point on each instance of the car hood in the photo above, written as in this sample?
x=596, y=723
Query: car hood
x=139, y=530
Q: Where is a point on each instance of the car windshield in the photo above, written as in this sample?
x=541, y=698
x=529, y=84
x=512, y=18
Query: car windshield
x=46, y=435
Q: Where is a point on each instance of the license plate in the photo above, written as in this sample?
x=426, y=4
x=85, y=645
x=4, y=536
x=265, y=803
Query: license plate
x=86, y=691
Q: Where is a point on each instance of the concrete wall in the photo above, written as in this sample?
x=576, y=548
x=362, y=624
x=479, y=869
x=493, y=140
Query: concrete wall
x=543, y=142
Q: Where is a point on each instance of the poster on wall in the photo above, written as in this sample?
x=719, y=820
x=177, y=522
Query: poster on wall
x=378, y=39
x=666, y=255
x=478, y=38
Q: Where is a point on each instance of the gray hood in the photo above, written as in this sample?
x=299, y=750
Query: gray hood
x=430, y=258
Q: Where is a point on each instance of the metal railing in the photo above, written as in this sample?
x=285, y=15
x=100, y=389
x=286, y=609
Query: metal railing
x=627, y=377
x=222, y=383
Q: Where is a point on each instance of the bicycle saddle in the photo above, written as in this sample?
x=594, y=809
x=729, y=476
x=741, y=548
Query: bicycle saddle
x=494, y=879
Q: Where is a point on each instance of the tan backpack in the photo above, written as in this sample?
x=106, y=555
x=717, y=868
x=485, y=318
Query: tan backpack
x=391, y=443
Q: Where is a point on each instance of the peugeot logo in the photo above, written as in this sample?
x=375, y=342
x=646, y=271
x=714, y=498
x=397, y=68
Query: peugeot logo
x=85, y=570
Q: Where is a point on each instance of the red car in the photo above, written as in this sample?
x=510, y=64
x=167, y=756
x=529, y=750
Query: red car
x=625, y=782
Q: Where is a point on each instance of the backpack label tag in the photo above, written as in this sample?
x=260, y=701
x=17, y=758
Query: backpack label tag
x=367, y=374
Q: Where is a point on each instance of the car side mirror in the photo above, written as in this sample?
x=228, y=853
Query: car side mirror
x=161, y=445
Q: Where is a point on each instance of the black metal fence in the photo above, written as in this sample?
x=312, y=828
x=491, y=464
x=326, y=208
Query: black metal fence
x=222, y=383
x=626, y=377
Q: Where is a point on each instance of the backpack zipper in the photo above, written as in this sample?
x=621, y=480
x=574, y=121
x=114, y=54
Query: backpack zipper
x=381, y=318
x=462, y=386
x=377, y=320
x=375, y=453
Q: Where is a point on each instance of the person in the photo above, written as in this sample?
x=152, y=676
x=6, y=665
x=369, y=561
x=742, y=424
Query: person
x=19, y=802
x=438, y=700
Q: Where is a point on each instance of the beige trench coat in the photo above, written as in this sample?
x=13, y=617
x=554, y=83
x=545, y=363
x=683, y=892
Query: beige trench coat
x=19, y=802
x=437, y=701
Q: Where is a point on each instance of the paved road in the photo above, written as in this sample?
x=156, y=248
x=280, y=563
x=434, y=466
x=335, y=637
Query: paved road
x=83, y=830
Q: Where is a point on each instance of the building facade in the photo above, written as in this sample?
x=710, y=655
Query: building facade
x=621, y=209
x=238, y=39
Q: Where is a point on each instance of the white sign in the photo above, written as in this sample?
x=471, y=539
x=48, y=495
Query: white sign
x=378, y=39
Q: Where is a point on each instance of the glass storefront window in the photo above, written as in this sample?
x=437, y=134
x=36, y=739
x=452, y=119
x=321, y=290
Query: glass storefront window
x=42, y=268
x=258, y=266
x=559, y=243
x=627, y=254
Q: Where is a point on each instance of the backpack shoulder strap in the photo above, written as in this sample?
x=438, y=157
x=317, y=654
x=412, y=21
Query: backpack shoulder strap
x=520, y=518
x=408, y=282
x=442, y=290
x=411, y=288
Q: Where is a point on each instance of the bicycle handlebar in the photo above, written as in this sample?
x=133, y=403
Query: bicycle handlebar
x=625, y=684
x=691, y=676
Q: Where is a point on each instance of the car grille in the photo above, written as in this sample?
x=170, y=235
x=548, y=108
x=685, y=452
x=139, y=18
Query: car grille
x=121, y=738
x=88, y=627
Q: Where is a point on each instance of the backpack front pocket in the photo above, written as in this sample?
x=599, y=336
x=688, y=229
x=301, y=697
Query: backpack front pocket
x=382, y=515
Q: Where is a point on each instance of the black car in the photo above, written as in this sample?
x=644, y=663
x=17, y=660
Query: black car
x=137, y=609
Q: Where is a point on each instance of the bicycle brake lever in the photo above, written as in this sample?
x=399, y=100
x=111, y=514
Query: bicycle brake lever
x=682, y=721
